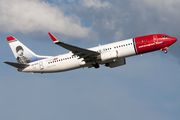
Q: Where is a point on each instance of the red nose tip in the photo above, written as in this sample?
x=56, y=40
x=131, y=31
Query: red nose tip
x=174, y=39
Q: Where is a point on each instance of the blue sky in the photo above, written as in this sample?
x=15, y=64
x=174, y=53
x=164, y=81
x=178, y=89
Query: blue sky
x=147, y=87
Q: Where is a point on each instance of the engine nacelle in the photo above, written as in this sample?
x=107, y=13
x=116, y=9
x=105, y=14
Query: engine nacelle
x=116, y=63
x=109, y=55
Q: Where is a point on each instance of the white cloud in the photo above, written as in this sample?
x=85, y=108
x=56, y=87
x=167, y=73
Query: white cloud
x=96, y=4
x=37, y=16
x=163, y=4
x=118, y=34
x=168, y=6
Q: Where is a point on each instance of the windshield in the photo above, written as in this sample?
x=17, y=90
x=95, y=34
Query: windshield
x=165, y=36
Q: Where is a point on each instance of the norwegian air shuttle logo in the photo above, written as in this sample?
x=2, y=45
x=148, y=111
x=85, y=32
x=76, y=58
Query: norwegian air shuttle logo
x=55, y=58
x=20, y=58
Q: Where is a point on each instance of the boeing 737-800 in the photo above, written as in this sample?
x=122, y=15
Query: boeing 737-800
x=111, y=55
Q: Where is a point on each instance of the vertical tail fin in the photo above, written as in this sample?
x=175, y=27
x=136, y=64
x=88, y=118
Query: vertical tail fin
x=21, y=52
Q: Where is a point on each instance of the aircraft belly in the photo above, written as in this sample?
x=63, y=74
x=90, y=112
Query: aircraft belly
x=68, y=65
x=62, y=66
x=29, y=69
x=59, y=67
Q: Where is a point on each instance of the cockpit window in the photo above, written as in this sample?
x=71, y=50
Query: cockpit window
x=165, y=36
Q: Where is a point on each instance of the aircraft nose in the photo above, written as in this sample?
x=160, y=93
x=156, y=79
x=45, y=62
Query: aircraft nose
x=174, y=39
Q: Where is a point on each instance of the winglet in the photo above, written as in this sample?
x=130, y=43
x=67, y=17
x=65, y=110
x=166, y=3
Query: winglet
x=54, y=39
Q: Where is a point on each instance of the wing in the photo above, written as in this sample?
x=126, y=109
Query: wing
x=81, y=52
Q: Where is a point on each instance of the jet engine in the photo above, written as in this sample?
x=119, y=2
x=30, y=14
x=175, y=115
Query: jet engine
x=116, y=63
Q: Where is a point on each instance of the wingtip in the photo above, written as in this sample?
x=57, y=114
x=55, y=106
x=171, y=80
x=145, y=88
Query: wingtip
x=54, y=39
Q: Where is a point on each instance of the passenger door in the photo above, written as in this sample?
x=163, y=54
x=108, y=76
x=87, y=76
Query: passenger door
x=155, y=40
x=41, y=65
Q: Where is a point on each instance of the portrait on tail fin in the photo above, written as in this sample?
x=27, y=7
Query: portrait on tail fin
x=20, y=58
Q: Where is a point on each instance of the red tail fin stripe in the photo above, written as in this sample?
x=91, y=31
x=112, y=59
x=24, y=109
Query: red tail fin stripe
x=11, y=38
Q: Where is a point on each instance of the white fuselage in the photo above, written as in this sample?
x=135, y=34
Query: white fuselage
x=70, y=61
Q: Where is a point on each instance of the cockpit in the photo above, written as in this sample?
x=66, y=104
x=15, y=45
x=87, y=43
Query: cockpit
x=164, y=36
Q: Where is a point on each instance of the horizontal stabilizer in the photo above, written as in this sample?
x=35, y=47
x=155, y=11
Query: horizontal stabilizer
x=17, y=65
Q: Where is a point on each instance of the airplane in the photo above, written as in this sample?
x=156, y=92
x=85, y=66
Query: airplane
x=111, y=55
